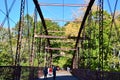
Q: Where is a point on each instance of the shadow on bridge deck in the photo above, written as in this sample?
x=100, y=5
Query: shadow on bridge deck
x=61, y=75
x=59, y=78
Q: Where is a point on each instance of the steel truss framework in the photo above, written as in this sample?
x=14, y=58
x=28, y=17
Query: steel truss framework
x=74, y=65
x=45, y=28
x=47, y=47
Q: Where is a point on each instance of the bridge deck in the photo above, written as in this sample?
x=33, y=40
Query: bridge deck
x=60, y=75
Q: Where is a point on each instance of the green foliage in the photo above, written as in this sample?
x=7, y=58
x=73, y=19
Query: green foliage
x=5, y=56
x=62, y=61
x=89, y=48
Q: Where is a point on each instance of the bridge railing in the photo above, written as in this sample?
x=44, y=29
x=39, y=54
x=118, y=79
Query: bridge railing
x=87, y=74
x=19, y=72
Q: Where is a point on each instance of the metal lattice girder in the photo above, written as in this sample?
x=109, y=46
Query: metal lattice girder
x=33, y=40
x=19, y=40
x=101, y=34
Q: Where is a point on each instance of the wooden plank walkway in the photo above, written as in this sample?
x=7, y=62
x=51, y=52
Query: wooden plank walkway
x=60, y=75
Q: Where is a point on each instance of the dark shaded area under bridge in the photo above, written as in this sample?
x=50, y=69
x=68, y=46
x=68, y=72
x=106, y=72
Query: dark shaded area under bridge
x=23, y=73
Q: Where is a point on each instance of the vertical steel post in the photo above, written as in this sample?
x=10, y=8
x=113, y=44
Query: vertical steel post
x=17, y=70
x=78, y=56
x=31, y=74
x=101, y=37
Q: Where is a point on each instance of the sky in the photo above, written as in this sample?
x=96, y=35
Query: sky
x=51, y=12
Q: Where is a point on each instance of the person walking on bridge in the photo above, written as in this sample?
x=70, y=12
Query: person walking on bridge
x=45, y=71
x=54, y=72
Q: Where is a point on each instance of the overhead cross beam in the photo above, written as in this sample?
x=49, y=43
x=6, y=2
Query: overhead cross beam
x=64, y=49
x=61, y=37
x=59, y=4
x=74, y=65
x=64, y=20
